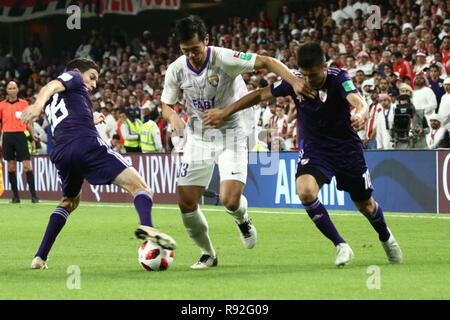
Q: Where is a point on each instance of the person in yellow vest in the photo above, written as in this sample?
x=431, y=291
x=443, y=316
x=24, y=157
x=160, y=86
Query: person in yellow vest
x=131, y=130
x=150, y=135
x=263, y=142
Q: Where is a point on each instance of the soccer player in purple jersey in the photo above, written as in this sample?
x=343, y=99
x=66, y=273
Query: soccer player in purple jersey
x=329, y=145
x=79, y=153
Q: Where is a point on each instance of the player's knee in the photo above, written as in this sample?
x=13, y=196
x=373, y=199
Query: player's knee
x=306, y=195
x=231, y=202
x=187, y=206
x=366, y=208
x=70, y=204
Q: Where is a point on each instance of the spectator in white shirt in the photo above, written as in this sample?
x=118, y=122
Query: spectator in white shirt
x=340, y=15
x=105, y=128
x=384, y=122
x=363, y=63
x=424, y=98
x=421, y=63
x=361, y=5
x=438, y=136
x=444, y=106
x=349, y=9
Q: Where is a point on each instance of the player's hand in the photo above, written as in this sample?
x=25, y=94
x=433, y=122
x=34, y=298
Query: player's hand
x=357, y=122
x=99, y=118
x=213, y=117
x=177, y=124
x=301, y=87
x=31, y=113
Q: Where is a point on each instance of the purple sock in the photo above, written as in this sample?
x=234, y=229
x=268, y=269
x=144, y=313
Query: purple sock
x=319, y=215
x=379, y=224
x=57, y=221
x=143, y=203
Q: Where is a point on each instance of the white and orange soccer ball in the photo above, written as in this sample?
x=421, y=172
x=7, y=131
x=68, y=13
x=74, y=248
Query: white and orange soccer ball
x=153, y=257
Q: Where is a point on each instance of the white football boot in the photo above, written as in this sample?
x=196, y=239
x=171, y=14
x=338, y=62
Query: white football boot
x=156, y=236
x=206, y=261
x=38, y=263
x=343, y=254
x=248, y=233
x=393, y=252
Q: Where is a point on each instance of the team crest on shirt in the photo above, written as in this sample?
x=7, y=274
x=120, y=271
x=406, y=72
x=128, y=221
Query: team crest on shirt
x=323, y=95
x=304, y=161
x=214, y=80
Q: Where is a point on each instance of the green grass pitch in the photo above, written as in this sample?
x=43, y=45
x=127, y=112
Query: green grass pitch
x=291, y=261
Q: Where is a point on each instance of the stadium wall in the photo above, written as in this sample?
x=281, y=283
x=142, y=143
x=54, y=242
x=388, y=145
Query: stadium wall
x=404, y=181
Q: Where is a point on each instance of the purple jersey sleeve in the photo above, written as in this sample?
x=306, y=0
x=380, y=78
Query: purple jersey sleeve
x=71, y=80
x=281, y=88
x=345, y=84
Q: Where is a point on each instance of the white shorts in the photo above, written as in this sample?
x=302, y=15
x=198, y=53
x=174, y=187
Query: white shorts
x=200, y=157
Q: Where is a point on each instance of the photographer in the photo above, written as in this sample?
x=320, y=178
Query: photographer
x=419, y=126
x=403, y=122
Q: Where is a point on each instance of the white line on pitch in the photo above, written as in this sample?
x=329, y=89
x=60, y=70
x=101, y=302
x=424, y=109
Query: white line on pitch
x=411, y=215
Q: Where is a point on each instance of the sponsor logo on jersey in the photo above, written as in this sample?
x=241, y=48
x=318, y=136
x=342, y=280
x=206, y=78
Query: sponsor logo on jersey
x=304, y=161
x=214, y=80
x=242, y=55
x=203, y=104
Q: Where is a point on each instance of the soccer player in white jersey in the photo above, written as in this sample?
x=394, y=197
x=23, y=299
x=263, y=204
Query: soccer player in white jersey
x=210, y=78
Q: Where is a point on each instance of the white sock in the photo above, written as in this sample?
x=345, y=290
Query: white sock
x=197, y=228
x=240, y=215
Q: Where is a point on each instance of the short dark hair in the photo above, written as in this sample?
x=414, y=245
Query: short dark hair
x=434, y=65
x=154, y=114
x=397, y=54
x=310, y=55
x=186, y=28
x=82, y=64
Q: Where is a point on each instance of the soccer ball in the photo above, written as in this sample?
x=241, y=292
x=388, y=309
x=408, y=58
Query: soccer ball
x=153, y=257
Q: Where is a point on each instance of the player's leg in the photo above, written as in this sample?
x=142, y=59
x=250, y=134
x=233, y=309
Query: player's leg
x=99, y=164
x=236, y=205
x=130, y=180
x=232, y=163
x=195, y=224
x=71, y=182
x=194, y=175
x=56, y=222
x=364, y=202
x=309, y=181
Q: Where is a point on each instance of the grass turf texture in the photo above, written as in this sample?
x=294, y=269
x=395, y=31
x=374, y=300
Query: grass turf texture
x=291, y=260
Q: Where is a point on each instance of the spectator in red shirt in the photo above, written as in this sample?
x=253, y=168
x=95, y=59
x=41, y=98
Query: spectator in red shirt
x=403, y=67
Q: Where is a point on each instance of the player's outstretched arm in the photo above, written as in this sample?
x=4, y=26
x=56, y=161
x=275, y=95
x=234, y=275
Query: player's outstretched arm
x=215, y=117
x=358, y=120
x=299, y=85
x=32, y=112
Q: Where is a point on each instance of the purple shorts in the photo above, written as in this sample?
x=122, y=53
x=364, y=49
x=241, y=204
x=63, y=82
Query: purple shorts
x=87, y=158
x=351, y=172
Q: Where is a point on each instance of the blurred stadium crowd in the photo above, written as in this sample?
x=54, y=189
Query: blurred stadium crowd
x=400, y=64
